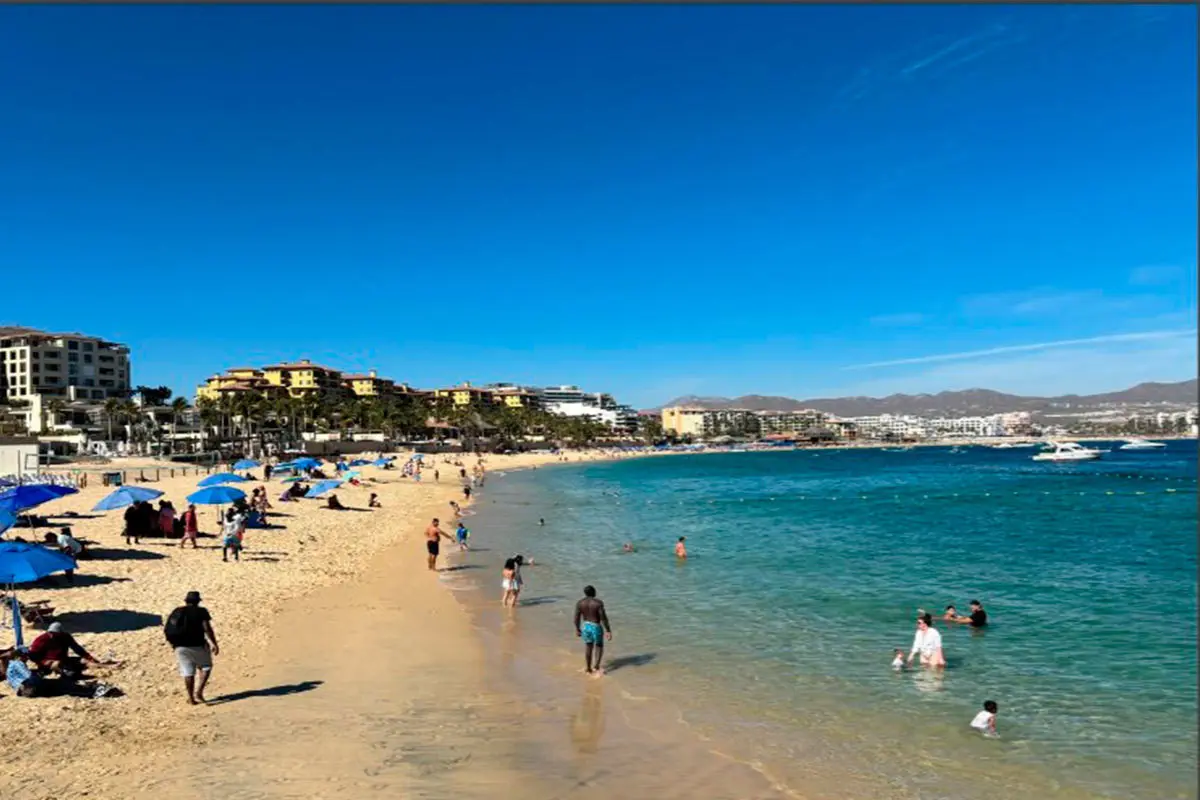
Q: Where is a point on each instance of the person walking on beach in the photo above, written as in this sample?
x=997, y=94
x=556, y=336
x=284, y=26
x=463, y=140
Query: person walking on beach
x=591, y=625
x=927, y=642
x=466, y=492
x=433, y=537
x=189, y=630
x=191, y=527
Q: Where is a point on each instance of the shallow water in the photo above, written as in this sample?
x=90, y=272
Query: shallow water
x=772, y=643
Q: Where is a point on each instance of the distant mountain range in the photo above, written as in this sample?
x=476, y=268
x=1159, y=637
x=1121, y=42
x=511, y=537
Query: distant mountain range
x=969, y=402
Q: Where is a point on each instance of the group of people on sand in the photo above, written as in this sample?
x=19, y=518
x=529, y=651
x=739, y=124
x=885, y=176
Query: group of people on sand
x=54, y=665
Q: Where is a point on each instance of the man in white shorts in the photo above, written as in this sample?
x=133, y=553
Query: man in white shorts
x=189, y=630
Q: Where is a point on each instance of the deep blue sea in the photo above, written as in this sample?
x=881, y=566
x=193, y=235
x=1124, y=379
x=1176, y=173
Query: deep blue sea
x=807, y=568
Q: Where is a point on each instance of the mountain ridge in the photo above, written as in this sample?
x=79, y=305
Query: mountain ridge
x=967, y=402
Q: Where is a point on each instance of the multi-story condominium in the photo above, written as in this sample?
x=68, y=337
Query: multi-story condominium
x=465, y=395
x=965, y=426
x=303, y=377
x=513, y=396
x=683, y=421
x=888, y=426
x=730, y=422
x=369, y=385
x=64, y=366
x=627, y=418
x=791, y=421
x=235, y=380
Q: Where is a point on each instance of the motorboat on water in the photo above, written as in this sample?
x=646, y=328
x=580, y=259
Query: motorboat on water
x=1068, y=451
x=1141, y=444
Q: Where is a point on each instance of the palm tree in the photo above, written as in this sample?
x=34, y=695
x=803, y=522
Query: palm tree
x=112, y=407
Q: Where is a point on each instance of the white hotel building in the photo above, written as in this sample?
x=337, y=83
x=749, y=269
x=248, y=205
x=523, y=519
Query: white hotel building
x=571, y=401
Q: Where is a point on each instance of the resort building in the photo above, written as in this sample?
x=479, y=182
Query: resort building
x=234, y=380
x=64, y=366
x=513, y=396
x=731, y=422
x=369, y=385
x=464, y=395
x=890, y=427
x=683, y=421
x=303, y=377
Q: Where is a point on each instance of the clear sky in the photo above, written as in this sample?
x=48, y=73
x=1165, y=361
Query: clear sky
x=651, y=201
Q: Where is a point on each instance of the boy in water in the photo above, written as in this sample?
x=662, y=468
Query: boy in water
x=591, y=625
x=460, y=534
x=898, y=659
x=985, y=721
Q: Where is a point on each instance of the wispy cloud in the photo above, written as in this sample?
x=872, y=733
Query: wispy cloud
x=897, y=320
x=1155, y=275
x=1101, y=367
x=1026, y=348
x=1048, y=301
x=972, y=41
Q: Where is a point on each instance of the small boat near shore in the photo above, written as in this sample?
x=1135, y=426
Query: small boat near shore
x=1138, y=443
x=1068, y=451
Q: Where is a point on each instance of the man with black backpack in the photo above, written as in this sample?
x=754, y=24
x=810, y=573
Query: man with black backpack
x=189, y=630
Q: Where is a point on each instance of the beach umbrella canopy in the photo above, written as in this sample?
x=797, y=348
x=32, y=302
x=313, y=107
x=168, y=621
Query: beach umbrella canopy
x=359, y=462
x=321, y=487
x=221, y=477
x=21, y=562
x=216, y=496
x=19, y=498
x=293, y=479
x=246, y=463
x=307, y=463
x=7, y=520
x=382, y=462
x=351, y=474
x=126, y=496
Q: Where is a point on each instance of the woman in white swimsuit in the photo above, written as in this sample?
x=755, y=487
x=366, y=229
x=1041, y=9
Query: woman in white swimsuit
x=927, y=642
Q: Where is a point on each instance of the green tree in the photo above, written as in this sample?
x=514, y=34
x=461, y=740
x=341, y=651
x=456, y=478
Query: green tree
x=154, y=395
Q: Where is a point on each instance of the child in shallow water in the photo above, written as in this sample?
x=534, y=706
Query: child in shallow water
x=985, y=721
x=898, y=659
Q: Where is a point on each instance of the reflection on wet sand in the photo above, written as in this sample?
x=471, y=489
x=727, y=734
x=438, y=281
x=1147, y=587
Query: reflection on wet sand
x=587, y=724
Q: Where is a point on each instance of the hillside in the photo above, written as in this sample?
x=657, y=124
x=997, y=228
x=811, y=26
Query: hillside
x=962, y=403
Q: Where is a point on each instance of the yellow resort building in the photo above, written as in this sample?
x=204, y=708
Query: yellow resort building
x=465, y=395
x=683, y=421
x=234, y=380
x=514, y=396
x=369, y=385
x=303, y=377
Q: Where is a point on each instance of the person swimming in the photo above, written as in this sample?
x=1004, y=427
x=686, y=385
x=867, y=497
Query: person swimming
x=628, y=548
x=985, y=721
x=680, y=549
x=898, y=660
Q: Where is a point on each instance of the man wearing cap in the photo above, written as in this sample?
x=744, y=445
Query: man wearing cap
x=52, y=652
x=189, y=630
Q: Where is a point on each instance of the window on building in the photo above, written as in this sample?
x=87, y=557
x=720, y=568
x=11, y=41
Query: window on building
x=88, y=347
x=72, y=356
x=87, y=358
x=72, y=345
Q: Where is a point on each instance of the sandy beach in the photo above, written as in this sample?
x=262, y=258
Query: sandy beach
x=266, y=609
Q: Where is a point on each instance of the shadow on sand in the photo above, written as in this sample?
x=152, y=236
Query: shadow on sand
x=274, y=691
x=639, y=660
x=121, y=554
x=60, y=581
x=107, y=621
x=459, y=567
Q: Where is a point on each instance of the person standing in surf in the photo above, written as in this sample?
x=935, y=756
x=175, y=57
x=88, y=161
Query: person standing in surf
x=592, y=626
x=927, y=642
x=433, y=536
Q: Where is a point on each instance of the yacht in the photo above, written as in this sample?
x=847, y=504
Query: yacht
x=1138, y=443
x=1068, y=451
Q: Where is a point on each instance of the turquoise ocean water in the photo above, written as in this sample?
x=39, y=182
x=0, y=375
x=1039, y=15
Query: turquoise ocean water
x=807, y=569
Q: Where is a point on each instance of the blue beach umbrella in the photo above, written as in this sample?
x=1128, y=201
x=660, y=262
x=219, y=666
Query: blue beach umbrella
x=359, y=462
x=126, y=496
x=7, y=520
x=246, y=463
x=321, y=487
x=20, y=498
x=382, y=462
x=307, y=463
x=21, y=562
x=351, y=474
x=221, y=477
x=216, y=496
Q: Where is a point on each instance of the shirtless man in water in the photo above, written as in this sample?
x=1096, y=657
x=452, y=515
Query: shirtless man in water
x=594, y=629
x=433, y=536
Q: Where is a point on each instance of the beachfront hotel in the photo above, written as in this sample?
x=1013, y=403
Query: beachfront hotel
x=38, y=367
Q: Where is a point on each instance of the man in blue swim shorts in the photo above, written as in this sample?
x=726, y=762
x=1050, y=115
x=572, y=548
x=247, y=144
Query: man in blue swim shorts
x=591, y=625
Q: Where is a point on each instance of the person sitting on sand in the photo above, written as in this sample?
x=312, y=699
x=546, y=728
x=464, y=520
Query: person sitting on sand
x=52, y=652
x=334, y=504
x=374, y=501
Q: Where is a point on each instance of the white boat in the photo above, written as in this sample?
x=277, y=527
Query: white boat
x=1068, y=451
x=1141, y=444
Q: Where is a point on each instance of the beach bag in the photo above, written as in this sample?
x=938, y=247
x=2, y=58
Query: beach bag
x=176, y=627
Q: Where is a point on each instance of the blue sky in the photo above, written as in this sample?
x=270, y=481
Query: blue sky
x=653, y=201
